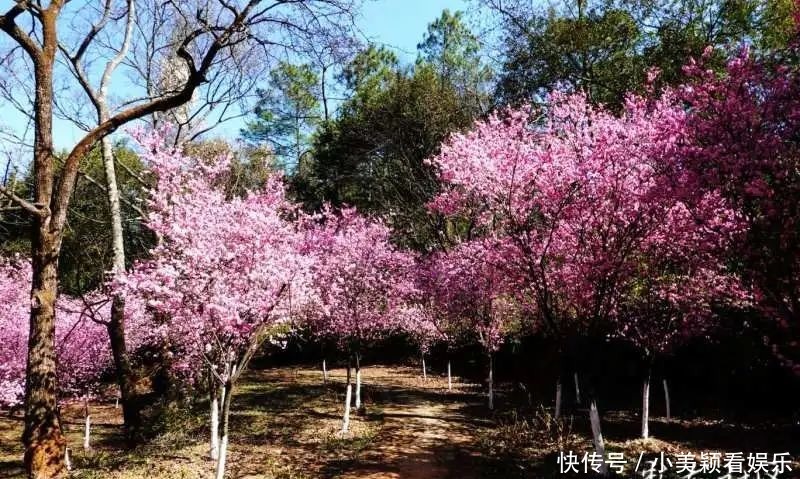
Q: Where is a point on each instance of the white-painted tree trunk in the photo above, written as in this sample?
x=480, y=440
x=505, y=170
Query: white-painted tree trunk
x=557, y=411
x=358, y=382
x=324, y=372
x=67, y=460
x=424, y=369
x=87, y=427
x=646, y=406
x=449, y=378
x=491, y=382
x=597, y=436
x=214, y=423
x=223, y=456
x=116, y=402
x=666, y=399
x=227, y=395
x=346, y=418
x=577, y=388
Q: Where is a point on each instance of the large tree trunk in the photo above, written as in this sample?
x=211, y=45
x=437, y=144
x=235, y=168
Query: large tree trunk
x=43, y=440
x=44, y=443
x=666, y=399
x=646, y=405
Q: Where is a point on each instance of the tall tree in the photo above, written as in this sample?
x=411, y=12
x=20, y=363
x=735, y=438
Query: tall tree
x=215, y=32
x=287, y=112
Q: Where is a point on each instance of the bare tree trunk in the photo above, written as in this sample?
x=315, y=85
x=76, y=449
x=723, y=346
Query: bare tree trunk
x=646, y=405
x=491, y=382
x=324, y=372
x=597, y=436
x=557, y=409
x=424, y=369
x=577, y=388
x=666, y=398
x=223, y=446
x=449, y=377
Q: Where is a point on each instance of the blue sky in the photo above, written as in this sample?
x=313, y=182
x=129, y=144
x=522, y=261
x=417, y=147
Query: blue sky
x=397, y=24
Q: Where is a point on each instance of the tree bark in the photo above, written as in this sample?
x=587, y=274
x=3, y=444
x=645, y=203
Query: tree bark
x=577, y=388
x=666, y=398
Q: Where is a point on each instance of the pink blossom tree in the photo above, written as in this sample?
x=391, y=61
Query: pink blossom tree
x=225, y=276
x=576, y=199
x=361, y=281
x=743, y=128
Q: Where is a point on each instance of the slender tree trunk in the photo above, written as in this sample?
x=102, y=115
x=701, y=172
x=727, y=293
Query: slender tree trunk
x=557, y=409
x=116, y=326
x=324, y=372
x=223, y=445
x=358, y=382
x=424, y=369
x=449, y=377
x=646, y=405
x=597, y=435
x=347, y=399
x=491, y=382
x=666, y=398
x=577, y=387
x=215, y=395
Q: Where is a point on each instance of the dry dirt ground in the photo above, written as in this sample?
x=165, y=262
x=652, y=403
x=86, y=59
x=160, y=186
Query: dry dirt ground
x=285, y=425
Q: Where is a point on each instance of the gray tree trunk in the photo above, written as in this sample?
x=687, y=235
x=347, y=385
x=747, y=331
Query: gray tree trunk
x=666, y=399
x=597, y=436
x=557, y=411
x=449, y=377
x=491, y=382
x=577, y=388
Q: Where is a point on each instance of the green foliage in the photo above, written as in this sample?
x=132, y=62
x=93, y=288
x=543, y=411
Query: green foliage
x=605, y=47
x=372, y=155
x=86, y=252
x=287, y=112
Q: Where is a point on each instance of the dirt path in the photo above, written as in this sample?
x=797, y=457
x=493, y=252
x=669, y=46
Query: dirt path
x=427, y=432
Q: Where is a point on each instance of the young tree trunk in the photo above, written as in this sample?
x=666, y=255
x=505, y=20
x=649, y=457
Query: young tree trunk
x=666, y=398
x=424, y=369
x=347, y=399
x=557, y=409
x=324, y=372
x=223, y=445
x=214, y=452
x=449, y=377
x=87, y=425
x=67, y=461
x=358, y=382
x=597, y=435
x=577, y=388
x=491, y=382
x=646, y=405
